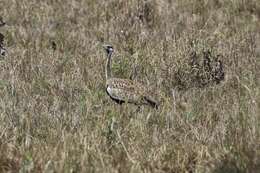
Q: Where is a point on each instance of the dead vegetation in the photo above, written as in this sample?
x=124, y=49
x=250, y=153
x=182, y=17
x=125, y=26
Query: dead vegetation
x=200, y=57
x=203, y=70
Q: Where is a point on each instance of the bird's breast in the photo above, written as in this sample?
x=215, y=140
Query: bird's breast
x=109, y=89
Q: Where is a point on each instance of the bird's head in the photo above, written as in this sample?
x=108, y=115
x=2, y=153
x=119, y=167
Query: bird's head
x=2, y=51
x=108, y=48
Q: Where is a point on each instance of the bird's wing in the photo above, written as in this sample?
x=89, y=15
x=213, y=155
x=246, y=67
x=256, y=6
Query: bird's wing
x=123, y=89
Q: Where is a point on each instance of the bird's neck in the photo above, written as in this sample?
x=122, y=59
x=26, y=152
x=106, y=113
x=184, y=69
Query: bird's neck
x=108, y=66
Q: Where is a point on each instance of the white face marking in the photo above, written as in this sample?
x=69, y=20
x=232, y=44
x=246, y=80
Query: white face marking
x=110, y=49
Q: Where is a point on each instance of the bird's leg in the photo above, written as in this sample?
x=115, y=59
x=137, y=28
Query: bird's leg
x=148, y=117
x=121, y=109
x=138, y=110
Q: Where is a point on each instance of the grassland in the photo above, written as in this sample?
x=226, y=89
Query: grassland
x=56, y=117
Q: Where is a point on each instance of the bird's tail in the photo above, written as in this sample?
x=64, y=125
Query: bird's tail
x=151, y=102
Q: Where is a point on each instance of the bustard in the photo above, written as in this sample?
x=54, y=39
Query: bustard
x=125, y=90
x=2, y=49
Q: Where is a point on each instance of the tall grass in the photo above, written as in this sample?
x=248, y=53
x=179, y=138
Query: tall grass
x=55, y=115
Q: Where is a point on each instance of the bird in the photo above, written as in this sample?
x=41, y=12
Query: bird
x=126, y=90
x=2, y=49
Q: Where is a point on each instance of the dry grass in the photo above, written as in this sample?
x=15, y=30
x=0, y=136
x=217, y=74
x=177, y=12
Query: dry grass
x=55, y=114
